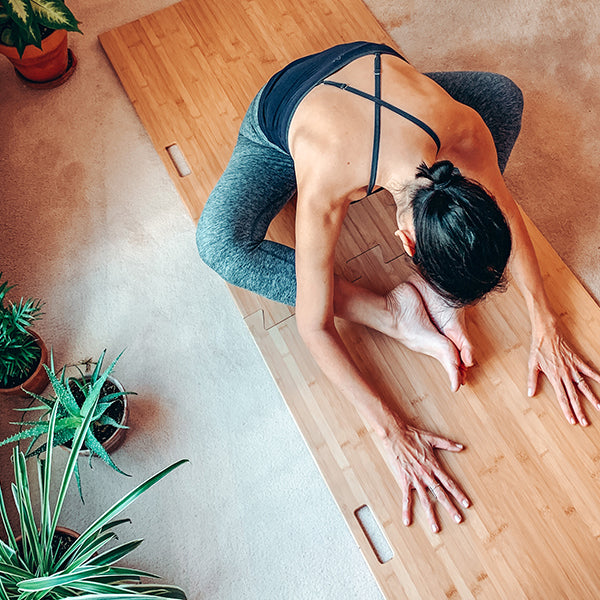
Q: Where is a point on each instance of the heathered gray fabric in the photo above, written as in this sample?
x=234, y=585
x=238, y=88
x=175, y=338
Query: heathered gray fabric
x=260, y=179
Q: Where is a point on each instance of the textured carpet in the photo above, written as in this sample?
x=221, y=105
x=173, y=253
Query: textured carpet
x=91, y=223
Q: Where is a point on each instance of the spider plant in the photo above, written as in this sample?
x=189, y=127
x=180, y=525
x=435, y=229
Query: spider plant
x=70, y=414
x=32, y=569
x=19, y=352
x=27, y=22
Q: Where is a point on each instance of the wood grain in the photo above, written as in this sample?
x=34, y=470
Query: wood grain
x=190, y=71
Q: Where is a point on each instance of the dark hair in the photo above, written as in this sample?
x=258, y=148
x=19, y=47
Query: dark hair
x=463, y=241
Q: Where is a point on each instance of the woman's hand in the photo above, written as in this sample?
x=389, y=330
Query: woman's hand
x=412, y=459
x=551, y=355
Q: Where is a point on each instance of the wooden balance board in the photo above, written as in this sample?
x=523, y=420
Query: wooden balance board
x=534, y=528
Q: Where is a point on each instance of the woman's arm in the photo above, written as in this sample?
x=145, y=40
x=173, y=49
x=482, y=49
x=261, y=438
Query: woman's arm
x=409, y=452
x=550, y=353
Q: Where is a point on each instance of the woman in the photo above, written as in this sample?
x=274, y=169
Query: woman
x=438, y=143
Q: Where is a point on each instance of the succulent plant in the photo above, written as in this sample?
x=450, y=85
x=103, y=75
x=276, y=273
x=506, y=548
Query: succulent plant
x=70, y=413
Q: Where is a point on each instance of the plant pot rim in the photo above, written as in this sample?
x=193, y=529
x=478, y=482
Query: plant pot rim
x=37, y=373
x=31, y=51
x=59, y=529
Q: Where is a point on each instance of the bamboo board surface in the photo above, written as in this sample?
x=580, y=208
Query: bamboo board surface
x=534, y=530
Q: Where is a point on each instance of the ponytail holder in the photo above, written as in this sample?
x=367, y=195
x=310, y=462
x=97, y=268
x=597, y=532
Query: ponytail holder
x=441, y=186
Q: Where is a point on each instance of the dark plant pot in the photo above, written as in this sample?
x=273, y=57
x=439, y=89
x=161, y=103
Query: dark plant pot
x=38, y=380
x=48, y=67
x=117, y=438
x=63, y=536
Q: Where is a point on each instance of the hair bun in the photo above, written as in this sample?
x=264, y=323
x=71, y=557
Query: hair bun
x=441, y=173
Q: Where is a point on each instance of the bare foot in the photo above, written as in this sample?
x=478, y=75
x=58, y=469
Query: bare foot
x=449, y=321
x=415, y=330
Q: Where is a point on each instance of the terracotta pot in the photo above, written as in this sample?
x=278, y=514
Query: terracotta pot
x=44, y=65
x=38, y=380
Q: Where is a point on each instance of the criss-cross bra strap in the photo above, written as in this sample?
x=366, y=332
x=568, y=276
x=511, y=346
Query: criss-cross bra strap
x=377, y=126
x=378, y=102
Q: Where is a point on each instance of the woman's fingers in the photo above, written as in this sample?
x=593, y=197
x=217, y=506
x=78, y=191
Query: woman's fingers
x=563, y=399
x=442, y=443
x=441, y=495
x=427, y=506
x=586, y=370
x=574, y=401
x=406, y=503
x=532, y=379
x=451, y=486
x=584, y=388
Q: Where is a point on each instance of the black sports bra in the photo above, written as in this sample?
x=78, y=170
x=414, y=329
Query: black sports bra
x=378, y=102
x=285, y=90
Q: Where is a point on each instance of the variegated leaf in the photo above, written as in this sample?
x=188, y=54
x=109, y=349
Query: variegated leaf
x=54, y=14
x=20, y=12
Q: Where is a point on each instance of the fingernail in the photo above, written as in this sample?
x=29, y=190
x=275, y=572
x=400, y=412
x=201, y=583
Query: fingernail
x=465, y=503
x=572, y=419
x=459, y=446
x=598, y=406
x=457, y=518
x=584, y=422
x=435, y=528
x=406, y=522
x=530, y=392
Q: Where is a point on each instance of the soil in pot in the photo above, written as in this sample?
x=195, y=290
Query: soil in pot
x=116, y=410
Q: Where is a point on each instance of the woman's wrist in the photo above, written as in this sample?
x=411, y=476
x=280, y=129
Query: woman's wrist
x=543, y=319
x=387, y=422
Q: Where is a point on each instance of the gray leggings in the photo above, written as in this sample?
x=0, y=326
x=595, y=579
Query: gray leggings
x=260, y=179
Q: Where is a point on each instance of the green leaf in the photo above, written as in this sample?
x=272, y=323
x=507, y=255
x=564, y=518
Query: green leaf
x=99, y=366
x=21, y=13
x=125, y=596
x=121, y=573
x=47, y=583
x=47, y=533
x=114, y=523
x=63, y=394
x=89, y=550
x=161, y=591
x=97, y=448
x=6, y=552
x=3, y=592
x=6, y=523
x=70, y=467
x=31, y=538
x=7, y=37
x=12, y=570
x=99, y=590
x=115, y=554
x=54, y=14
x=32, y=431
x=106, y=420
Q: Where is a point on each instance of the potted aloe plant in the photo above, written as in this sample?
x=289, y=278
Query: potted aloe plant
x=22, y=351
x=33, y=36
x=46, y=562
x=71, y=399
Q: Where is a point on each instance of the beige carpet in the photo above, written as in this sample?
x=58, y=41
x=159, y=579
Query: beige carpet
x=91, y=223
